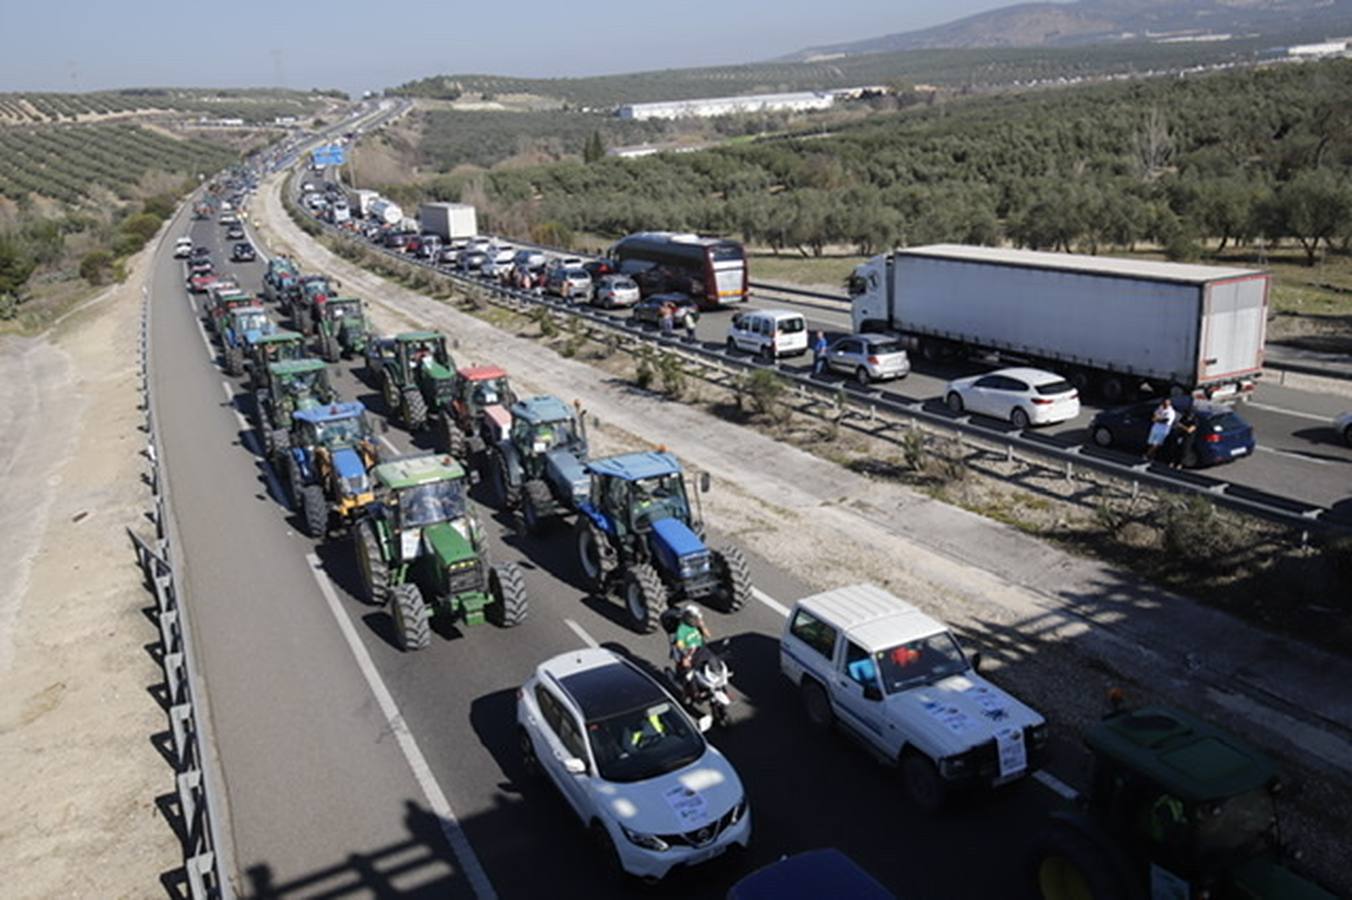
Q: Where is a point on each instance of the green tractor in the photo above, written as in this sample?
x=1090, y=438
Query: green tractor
x=341, y=329
x=420, y=549
x=293, y=385
x=278, y=346
x=638, y=537
x=418, y=373
x=1177, y=809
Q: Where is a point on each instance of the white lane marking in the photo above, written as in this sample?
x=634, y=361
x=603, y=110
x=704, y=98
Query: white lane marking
x=582, y=633
x=770, y=602
x=1327, y=420
x=422, y=772
x=1055, y=785
x=388, y=443
x=229, y=390
x=1297, y=456
x=206, y=341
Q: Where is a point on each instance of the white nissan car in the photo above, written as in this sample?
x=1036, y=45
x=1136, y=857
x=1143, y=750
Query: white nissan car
x=631, y=763
x=1020, y=396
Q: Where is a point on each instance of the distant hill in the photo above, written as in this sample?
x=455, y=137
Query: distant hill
x=253, y=105
x=1103, y=21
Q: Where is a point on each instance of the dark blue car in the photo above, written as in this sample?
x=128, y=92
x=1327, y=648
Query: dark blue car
x=1222, y=434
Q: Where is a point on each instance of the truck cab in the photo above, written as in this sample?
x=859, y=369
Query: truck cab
x=870, y=309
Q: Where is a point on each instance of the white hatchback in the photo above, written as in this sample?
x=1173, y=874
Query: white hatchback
x=631, y=763
x=1020, y=396
x=183, y=248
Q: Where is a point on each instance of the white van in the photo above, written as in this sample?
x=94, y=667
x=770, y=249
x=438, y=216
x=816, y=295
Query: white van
x=770, y=333
x=896, y=680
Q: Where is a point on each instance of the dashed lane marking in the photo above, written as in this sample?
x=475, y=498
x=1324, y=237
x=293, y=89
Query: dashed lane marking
x=1290, y=412
x=582, y=633
x=770, y=602
x=1055, y=785
x=422, y=772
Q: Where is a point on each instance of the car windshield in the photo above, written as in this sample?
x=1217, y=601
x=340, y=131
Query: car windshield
x=1240, y=823
x=548, y=435
x=643, y=743
x=1054, y=387
x=428, y=504
x=922, y=661
x=657, y=498
x=341, y=432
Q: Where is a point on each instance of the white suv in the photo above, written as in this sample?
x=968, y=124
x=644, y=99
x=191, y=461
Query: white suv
x=630, y=762
x=183, y=248
x=897, y=681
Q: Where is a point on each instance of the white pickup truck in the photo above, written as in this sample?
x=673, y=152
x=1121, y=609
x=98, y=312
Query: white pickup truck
x=897, y=681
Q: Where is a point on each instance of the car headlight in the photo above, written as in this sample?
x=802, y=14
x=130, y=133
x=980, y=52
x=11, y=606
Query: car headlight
x=646, y=841
x=738, y=811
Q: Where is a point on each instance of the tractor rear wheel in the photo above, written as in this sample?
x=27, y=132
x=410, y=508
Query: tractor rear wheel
x=1067, y=863
x=414, y=409
x=294, y=485
x=375, y=574
x=390, y=392
x=508, y=497
x=280, y=442
x=736, y=578
x=234, y=360
x=593, y=554
x=315, y=509
x=412, y=624
x=534, y=497
x=645, y=597
x=442, y=434
x=328, y=348
x=508, y=588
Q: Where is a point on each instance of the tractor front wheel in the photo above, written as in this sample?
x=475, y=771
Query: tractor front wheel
x=508, y=587
x=315, y=509
x=412, y=624
x=328, y=347
x=736, y=577
x=414, y=409
x=389, y=391
x=507, y=496
x=234, y=360
x=1066, y=862
x=280, y=446
x=375, y=574
x=645, y=597
x=593, y=554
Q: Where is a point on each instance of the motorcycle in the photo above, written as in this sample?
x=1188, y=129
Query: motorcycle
x=707, y=683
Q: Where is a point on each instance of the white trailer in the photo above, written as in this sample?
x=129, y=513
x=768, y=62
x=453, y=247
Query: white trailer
x=451, y=221
x=385, y=211
x=1113, y=324
x=360, y=201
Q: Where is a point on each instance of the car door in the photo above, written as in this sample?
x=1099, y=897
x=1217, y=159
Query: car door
x=858, y=695
x=556, y=739
x=983, y=395
x=1011, y=392
x=1134, y=427
x=843, y=356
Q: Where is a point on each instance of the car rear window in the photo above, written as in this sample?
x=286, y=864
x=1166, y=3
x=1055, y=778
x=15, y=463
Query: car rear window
x=1054, y=387
x=885, y=348
x=1227, y=422
x=791, y=326
x=577, y=273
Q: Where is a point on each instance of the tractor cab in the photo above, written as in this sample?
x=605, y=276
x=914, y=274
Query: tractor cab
x=331, y=455
x=542, y=426
x=249, y=322
x=336, y=426
x=341, y=327
x=300, y=384
x=1177, y=808
x=479, y=387
x=277, y=346
x=640, y=491
x=422, y=351
x=424, y=492
x=343, y=310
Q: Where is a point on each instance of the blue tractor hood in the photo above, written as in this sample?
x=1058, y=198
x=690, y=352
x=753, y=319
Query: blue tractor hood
x=569, y=476
x=348, y=463
x=677, y=537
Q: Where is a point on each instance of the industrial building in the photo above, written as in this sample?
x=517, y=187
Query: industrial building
x=727, y=106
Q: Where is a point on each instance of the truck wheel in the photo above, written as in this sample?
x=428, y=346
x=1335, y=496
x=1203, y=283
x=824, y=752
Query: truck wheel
x=375, y=574
x=412, y=625
x=1018, y=418
x=921, y=781
x=534, y=497
x=1103, y=437
x=414, y=409
x=736, y=578
x=644, y=597
x=816, y=705
x=1113, y=389
x=508, y=588
x=592, y=554
x=316, y=510
x=954, y=401
x=1067, y=862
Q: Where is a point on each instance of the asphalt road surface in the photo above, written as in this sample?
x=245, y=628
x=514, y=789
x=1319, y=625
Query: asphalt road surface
x=354, y=769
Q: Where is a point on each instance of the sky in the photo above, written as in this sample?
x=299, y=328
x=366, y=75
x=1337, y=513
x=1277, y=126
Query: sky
x=366, y=45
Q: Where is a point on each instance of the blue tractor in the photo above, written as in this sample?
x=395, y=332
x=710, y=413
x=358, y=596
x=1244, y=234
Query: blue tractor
x=539, y=468
x=328, y=465
x=241, y=327
x=638, y=537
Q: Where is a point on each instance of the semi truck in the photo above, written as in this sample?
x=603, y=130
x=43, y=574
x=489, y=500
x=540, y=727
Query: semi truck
x=385, y=211
x=1109, y=325
x=360, y=201
x=452, y=221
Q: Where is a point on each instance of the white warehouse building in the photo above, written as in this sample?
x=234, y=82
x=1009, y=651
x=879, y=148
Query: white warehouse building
x=726, y=106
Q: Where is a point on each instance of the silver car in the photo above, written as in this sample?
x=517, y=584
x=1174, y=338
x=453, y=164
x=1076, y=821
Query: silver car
x=571, y=284
x=868, y=357
x=615, y=290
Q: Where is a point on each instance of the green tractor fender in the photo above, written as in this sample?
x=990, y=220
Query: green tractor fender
x=1073, y=849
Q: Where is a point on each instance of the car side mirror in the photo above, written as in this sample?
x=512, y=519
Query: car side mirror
x=705, y=723
x=976, y=661
x=704, y=482
x=872, y=692
x=574, y=766
x=474, y=476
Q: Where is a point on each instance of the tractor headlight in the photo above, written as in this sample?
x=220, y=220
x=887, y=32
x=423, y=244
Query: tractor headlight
x=695, y=564
x=356, y=484
x=646, y=841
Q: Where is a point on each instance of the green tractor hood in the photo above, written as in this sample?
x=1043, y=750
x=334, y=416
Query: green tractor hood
x=449, y=546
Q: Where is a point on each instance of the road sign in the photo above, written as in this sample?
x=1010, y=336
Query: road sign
x=332, y=155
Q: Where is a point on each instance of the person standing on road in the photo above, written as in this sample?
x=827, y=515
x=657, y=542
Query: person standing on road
x=688, y=322
x=668, y=320
x=1162, y=423
x=819, y=353
x=1185, y=439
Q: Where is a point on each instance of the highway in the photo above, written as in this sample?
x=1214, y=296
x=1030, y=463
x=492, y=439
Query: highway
x=353, y=769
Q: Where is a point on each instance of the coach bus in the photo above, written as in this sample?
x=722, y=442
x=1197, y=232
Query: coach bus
x=712, y=271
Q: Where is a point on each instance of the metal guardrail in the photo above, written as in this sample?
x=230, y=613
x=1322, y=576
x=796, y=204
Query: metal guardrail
x=874, y=405
x=205, y=844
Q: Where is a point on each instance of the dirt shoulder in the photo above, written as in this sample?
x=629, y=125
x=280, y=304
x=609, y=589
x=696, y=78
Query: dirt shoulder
x=82, y=778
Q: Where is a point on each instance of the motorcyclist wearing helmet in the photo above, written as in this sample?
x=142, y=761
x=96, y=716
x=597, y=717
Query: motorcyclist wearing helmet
x=690, y=635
